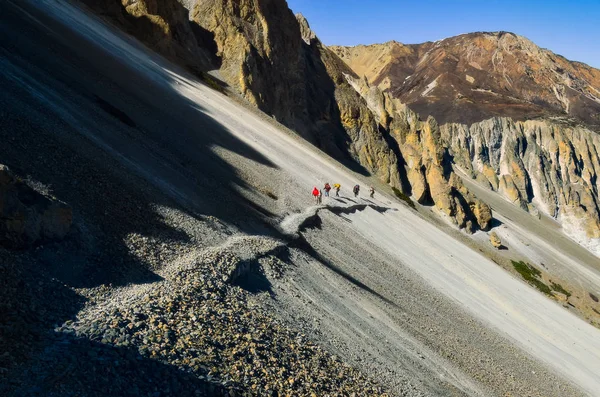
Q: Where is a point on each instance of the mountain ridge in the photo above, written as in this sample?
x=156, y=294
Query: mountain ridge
x=503, y=73
x=490, y=32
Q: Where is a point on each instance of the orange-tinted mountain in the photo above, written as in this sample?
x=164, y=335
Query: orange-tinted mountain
x=473, y=77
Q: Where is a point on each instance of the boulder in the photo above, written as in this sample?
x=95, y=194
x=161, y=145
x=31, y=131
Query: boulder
x=495, y=240
x=482, y=213
x=27, y=217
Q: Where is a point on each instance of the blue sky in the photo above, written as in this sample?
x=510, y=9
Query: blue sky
x=570, y=27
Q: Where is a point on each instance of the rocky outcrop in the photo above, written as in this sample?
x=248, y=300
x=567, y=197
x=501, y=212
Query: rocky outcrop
x=495, y=240
x=540, y=165
x=426, y=170
x=27, y=217
x=278, y=64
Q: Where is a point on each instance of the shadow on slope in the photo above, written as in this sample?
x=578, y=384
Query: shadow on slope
x=153, y=148
x=76, y=366
x=113, y=138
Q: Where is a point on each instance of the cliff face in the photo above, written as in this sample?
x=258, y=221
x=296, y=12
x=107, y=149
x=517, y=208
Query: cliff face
x=279, y=65
x=543, y=155
x=552, y=166
x=425, y=165
x=476, y=76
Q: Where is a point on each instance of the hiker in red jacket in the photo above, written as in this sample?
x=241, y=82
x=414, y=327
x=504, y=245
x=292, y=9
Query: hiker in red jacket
x=317, y=195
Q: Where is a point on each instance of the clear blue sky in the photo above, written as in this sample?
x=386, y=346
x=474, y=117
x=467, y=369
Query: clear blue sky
x=570, y=28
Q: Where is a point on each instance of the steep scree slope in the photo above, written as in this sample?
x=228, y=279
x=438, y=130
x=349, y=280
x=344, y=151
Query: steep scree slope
x=278, y=64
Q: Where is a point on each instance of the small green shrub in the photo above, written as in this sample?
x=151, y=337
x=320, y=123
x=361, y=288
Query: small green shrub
x=404, y=198
x=559, y=288
x=211, y=82
x=531, y=275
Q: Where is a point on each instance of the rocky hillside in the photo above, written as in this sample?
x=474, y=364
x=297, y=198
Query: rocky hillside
x=473, y=77
x=542, y=154
x=28, y=217
x=279, y=64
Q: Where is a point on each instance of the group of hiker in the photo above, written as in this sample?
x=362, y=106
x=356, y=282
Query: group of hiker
x=319, y=193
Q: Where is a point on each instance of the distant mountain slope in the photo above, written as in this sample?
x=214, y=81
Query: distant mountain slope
x=475, y=76
x=486, y=90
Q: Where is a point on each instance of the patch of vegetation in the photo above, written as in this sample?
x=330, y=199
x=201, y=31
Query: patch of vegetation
x=559, y=288
x=593, y=297
x=211, y=82
x=531, y=275
x=404, y=198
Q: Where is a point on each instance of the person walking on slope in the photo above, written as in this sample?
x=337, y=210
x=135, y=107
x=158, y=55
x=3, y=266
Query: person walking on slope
x=356, y=190
x=316, y=193
x=327, y=188
x=371, y=192
x=337, y=188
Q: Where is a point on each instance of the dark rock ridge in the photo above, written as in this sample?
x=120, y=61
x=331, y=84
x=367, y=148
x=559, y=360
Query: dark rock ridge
x=26, y=216
x=162, y=25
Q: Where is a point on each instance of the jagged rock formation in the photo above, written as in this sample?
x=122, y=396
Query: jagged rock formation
x=473, y=77
x=27, y=217
x=552, y=166
x=427, y=170
x=279, y=65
